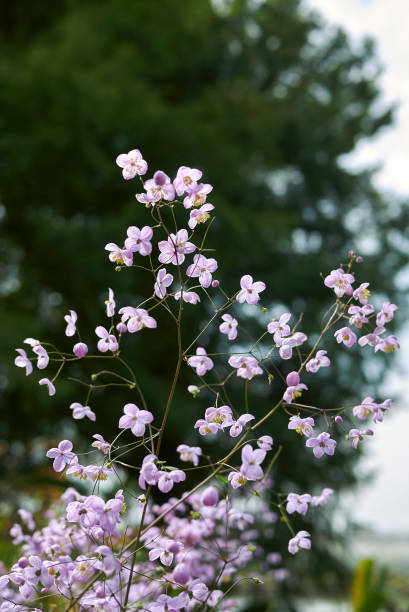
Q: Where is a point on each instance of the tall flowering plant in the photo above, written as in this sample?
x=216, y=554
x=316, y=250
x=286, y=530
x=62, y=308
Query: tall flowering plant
x=193, y=551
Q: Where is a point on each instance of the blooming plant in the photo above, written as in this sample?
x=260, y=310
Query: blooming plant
x=192, y=551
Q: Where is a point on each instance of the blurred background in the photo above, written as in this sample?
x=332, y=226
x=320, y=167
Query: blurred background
x=301, y=122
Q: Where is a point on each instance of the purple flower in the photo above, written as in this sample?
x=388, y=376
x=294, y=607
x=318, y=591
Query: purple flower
x=360, y=314
x=191, y=297
x=229, y=326
x=247, y=367
x=362, y=293
x=139, y=240
x=110, y=303
x=122, y=257
x=174, y=249
x=136, y=319
x=386, y=314
x=189, y=453
x=362, y=411
x=319, y=361
x=249, y=290
x=22, y=361
x=80, y=411
x=323, y=443
x=287, y=344
x=203, y=268
x=132, y=164
x=280, y=329
x=100, y=444
x=42, y=356
x=80, y=349
x=49, y=384
x=157, y=188
x=201, y=362
x=210, y=497
x=340, y=282
x=321, y=500
x=302, y=426
x=251, y=460
x=205, y=427
x=221, y=415
x=163, y=280
x=236, y=479
x=294, y=388
x=265, y=443
x=199, y=215
x=168, y=479
x=108, y=342
x=61, y=455
x=298, y=503
x=186, y=179
x=356, y=435
x=237, y=427
x=372, y=339
x=197, y=195
x=299, y=541
x=135, y=419
x=71, y=320
x=387, y=345
x=346, y=336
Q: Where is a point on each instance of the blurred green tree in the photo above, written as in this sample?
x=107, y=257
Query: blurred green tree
x=265, y=99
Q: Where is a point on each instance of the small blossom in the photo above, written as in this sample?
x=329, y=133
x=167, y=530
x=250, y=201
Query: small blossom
x=322, y=444
x=346, y=336
x=121, y=257
x=265, y=443
x=294, y=389
x=247, y=367
x=372, y=339
x=340, y=282
x=338, y=419
x=108, y=342
x=321, y=500
x=136, y=319
x=80, y=411
x=197, y=195
x=199, y=215
x=157, y=188
x=299, y=541
x=386, y=314
x=101, y=444
x=110, y=303
x=210, y=496
x=362, y=293
x=201, y=362
x=280, y=329
x=356, y=435
x=360, y=314
x=249, y=290
x=302, y=426
x=229, y=326
x=297, y=503
x=132, y=163
x=22, y=361
x=205, y=427
x=189, y=453
x=135, y=419
x=202, y=268
x=251, y=460
x=163, y=280
x=186, y=179
x=139, y=240
x=71, y=320
x=237, y=427
x=80, y=349
x=387, y=345
x=61, y=455
x=191, y=297
x=362, y=411
x=166, y=480
x=174, y=249
x=193, y=389
x=49, y=384
x=320, y=361
x=42, y=356
x=221, y=415
x=288, y=344
x=236, y=479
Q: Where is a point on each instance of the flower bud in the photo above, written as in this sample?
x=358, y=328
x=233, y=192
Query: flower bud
x=80, y=349
x=359, y=259
x=215, y=283
x=174, y=547
x=23, y=562
x=181, y=573
x=338, y=419
x=121, y=328
x=210, y=496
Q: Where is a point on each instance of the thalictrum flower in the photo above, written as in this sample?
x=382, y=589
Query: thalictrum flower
x=190, y=297
x=135, y=419
x=294, y=389
x=386, y=314
x=346, y=336
x=163, y=280
x=122, y=257
x=202, y=267
x=237, y=427
x=110, y=303
x=340, y=282
x=157, y=188
x=265, y=443
x=139, y=240
x=174, y=249
x=319, y=361
x=356, y=435
x=22, y=361
x=186, y=179
x=362, y=293
x=201, y=362
x=298, y=503
x=49, y=384
x=321, y=500
x=108, y=342
x=299, y=541
x=199, y=215
x=61, y=455
x=249, y=290
x=302, y=426
x=387, y=345
x=197, y=195
x=247, y=367
x=189, y=453
x=80, y=349
x=280, y=329
x=322, y=444
x=229, y=326
x=132, y=163
x=71, y=320
x=136, y=319
x=80, y=411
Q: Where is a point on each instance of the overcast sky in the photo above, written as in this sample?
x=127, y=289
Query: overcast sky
x=384, y=504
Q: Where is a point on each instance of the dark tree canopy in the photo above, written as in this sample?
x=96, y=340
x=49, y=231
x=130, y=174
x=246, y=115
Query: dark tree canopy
x=265, y=99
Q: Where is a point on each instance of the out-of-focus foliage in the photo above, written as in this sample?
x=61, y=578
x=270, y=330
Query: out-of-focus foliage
x=374, y=589
x=261, y=96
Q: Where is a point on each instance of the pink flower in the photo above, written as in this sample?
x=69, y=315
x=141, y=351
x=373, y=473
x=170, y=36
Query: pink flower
x=323, y=443
x=287, y=344
x=108, y=342
x=210, y=497
x=80, y=349
x=197, y=195
x=173, y=249
x=132, y=164
x=136, y=319
x=372, y=339
x=360, y=314
x=71, y=320
x=168, y=479
x=386, y=314
x=298, y=503
x=265, y=443
x=362, y=411
x=247, y=367
x=251, y=460
x=189, y=453
x=362, y=293
x=357, y=435
x=386, y=345
x=61, y=455
x=237, y=427
x=229, y=326
x=190, y=297
x=302, y=426
x=110, y=303
x=135, y=419
x=236, y=479
x=319, y=361
x=221, y=415
x=205, y=427
x=157, y=188
x=294, y=388
x=340, y=281
x=299, y=541
x=201, y=362
x=199, y=215
x=321, y=500
x=186, y=179
x=80, y=411
x=139, y=240
x=163, y=280
x=49, y=384
x=101, y=444
x=249, y=290
x=42, y=356
x=122, y=257
x=22, y=361
x=203, y=268
x=280, y=329
x=346, y=336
